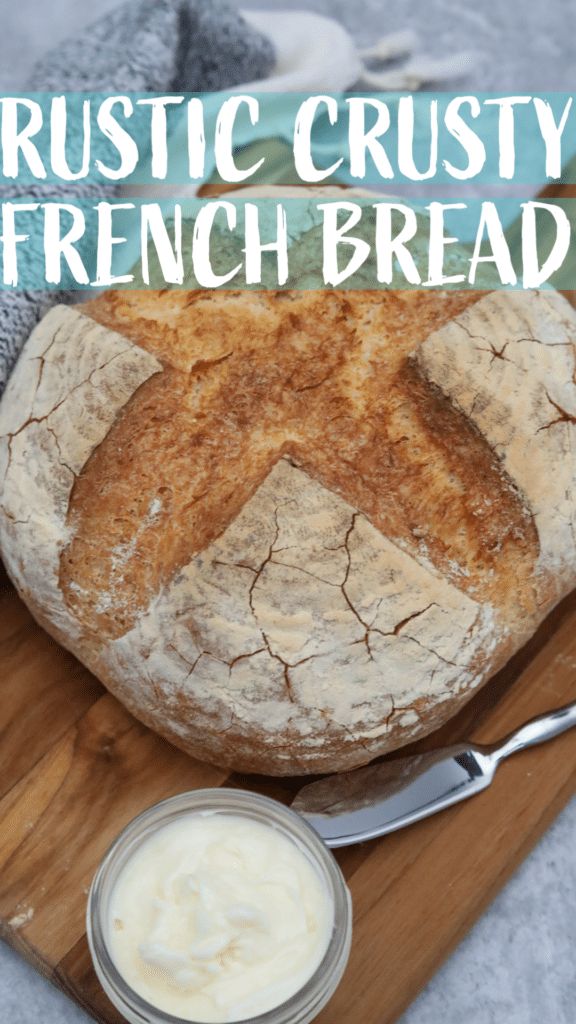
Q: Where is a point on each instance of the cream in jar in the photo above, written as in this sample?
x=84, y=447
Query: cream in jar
x=216, y=918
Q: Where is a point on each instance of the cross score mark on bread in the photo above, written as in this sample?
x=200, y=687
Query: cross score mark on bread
x=285, y=530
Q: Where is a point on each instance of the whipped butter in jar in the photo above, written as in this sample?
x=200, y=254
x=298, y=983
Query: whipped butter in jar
x=219, y=906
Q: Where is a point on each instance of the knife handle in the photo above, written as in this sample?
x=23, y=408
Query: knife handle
x=538, y=730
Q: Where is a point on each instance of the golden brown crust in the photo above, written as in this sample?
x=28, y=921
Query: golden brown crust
x=325, y=378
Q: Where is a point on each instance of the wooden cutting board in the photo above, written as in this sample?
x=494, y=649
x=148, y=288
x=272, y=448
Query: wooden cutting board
x=75, y=767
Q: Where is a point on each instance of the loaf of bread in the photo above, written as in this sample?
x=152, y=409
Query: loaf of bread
x=292, y=531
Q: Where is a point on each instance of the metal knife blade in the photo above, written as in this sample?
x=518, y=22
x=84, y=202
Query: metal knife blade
x=382, y=798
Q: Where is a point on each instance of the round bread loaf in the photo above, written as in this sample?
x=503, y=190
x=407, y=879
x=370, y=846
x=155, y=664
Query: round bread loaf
x=292, y=531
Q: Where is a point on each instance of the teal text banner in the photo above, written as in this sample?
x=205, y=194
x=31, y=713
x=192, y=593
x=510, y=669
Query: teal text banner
x=374, y=139
x=279, y=243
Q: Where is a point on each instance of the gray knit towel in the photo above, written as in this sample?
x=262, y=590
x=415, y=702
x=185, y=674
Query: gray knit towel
x=142, y=46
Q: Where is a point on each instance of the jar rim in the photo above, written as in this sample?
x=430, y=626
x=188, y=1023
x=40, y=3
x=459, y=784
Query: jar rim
x=304, y=1005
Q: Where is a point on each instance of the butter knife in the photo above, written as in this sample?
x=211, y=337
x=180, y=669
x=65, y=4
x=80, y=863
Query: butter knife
x=381, y=798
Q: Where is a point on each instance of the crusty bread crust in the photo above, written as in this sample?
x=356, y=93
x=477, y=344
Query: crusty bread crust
x=293, y=531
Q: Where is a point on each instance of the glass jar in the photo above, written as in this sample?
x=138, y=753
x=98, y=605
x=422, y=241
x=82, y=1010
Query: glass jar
x=308, y=1001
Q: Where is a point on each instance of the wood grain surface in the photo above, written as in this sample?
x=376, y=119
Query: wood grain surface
x=75, y=767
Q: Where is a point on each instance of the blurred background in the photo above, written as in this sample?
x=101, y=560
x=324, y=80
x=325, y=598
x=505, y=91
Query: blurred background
x=517, y=47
